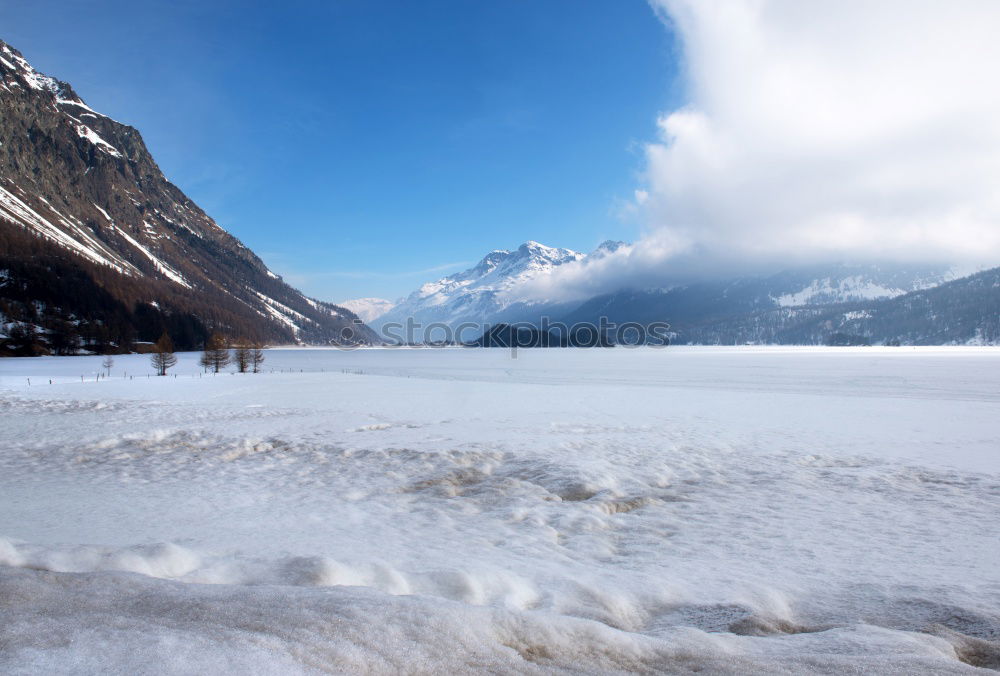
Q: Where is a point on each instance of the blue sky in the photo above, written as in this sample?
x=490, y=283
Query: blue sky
x=362, y=148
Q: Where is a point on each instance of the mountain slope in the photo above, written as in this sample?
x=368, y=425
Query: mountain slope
x=688, y=306
x=964, y=311
x=87, y=189
x=961, y=311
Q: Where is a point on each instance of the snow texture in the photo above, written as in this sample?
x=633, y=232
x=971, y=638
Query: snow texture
x=751, y=510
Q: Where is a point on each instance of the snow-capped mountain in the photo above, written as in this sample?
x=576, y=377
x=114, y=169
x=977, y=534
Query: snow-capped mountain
x=477, y=295
x=758, y=308
x=368, y=309
x=114, y=246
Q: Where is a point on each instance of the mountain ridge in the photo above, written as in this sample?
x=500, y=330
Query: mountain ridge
x=85, y=184
x=757, y=308
x=476, y=295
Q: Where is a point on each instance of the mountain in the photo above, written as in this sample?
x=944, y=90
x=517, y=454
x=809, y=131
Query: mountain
x=95, y=240
x=368, y=309
x=477, y=295
x=873, y=307
x=688, y=306
x=762, y=308
x=963, y=311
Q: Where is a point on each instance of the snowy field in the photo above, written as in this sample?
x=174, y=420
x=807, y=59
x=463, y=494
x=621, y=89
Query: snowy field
x=745, y=510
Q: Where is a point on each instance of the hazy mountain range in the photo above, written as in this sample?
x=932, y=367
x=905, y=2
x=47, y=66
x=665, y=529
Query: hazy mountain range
x=870, y=303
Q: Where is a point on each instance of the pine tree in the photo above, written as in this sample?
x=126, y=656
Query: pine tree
x=216, y=353
x=24, y=341
x=63, y=337
x=163, y=356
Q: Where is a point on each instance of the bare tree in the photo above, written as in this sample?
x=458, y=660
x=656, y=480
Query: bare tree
x=163, y=355
x=256, y=356
x=216, y=353
x=205, y=361
x=241, y=355
x=108, y=362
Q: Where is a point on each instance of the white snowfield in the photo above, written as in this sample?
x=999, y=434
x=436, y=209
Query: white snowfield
x=745, y=510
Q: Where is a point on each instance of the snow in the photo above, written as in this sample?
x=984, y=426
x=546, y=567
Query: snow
x=81, y=233
x=18, y=211
x=104, y=213
x=160, y=266
x=41, y=82
x=79, y=104
x=862, y=287
x=179, y=224
x=86, y=132
x=325, y=309
x=33, y=78
x=368, y=309
x=281, y=312
x=728, y=510
x=850, y=288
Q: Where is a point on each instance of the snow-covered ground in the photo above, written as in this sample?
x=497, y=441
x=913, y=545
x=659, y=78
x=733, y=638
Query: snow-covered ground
x=745, y=510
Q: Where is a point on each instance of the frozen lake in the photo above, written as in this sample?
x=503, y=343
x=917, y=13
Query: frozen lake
x=734, y=510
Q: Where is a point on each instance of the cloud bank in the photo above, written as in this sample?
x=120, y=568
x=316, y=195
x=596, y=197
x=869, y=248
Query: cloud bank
x=818, y=132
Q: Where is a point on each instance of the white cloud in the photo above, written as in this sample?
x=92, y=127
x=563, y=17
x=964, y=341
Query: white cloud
x=821, y=131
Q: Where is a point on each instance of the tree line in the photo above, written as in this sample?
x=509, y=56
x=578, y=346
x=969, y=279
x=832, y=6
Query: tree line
x=218, y=353
x=55, y=302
